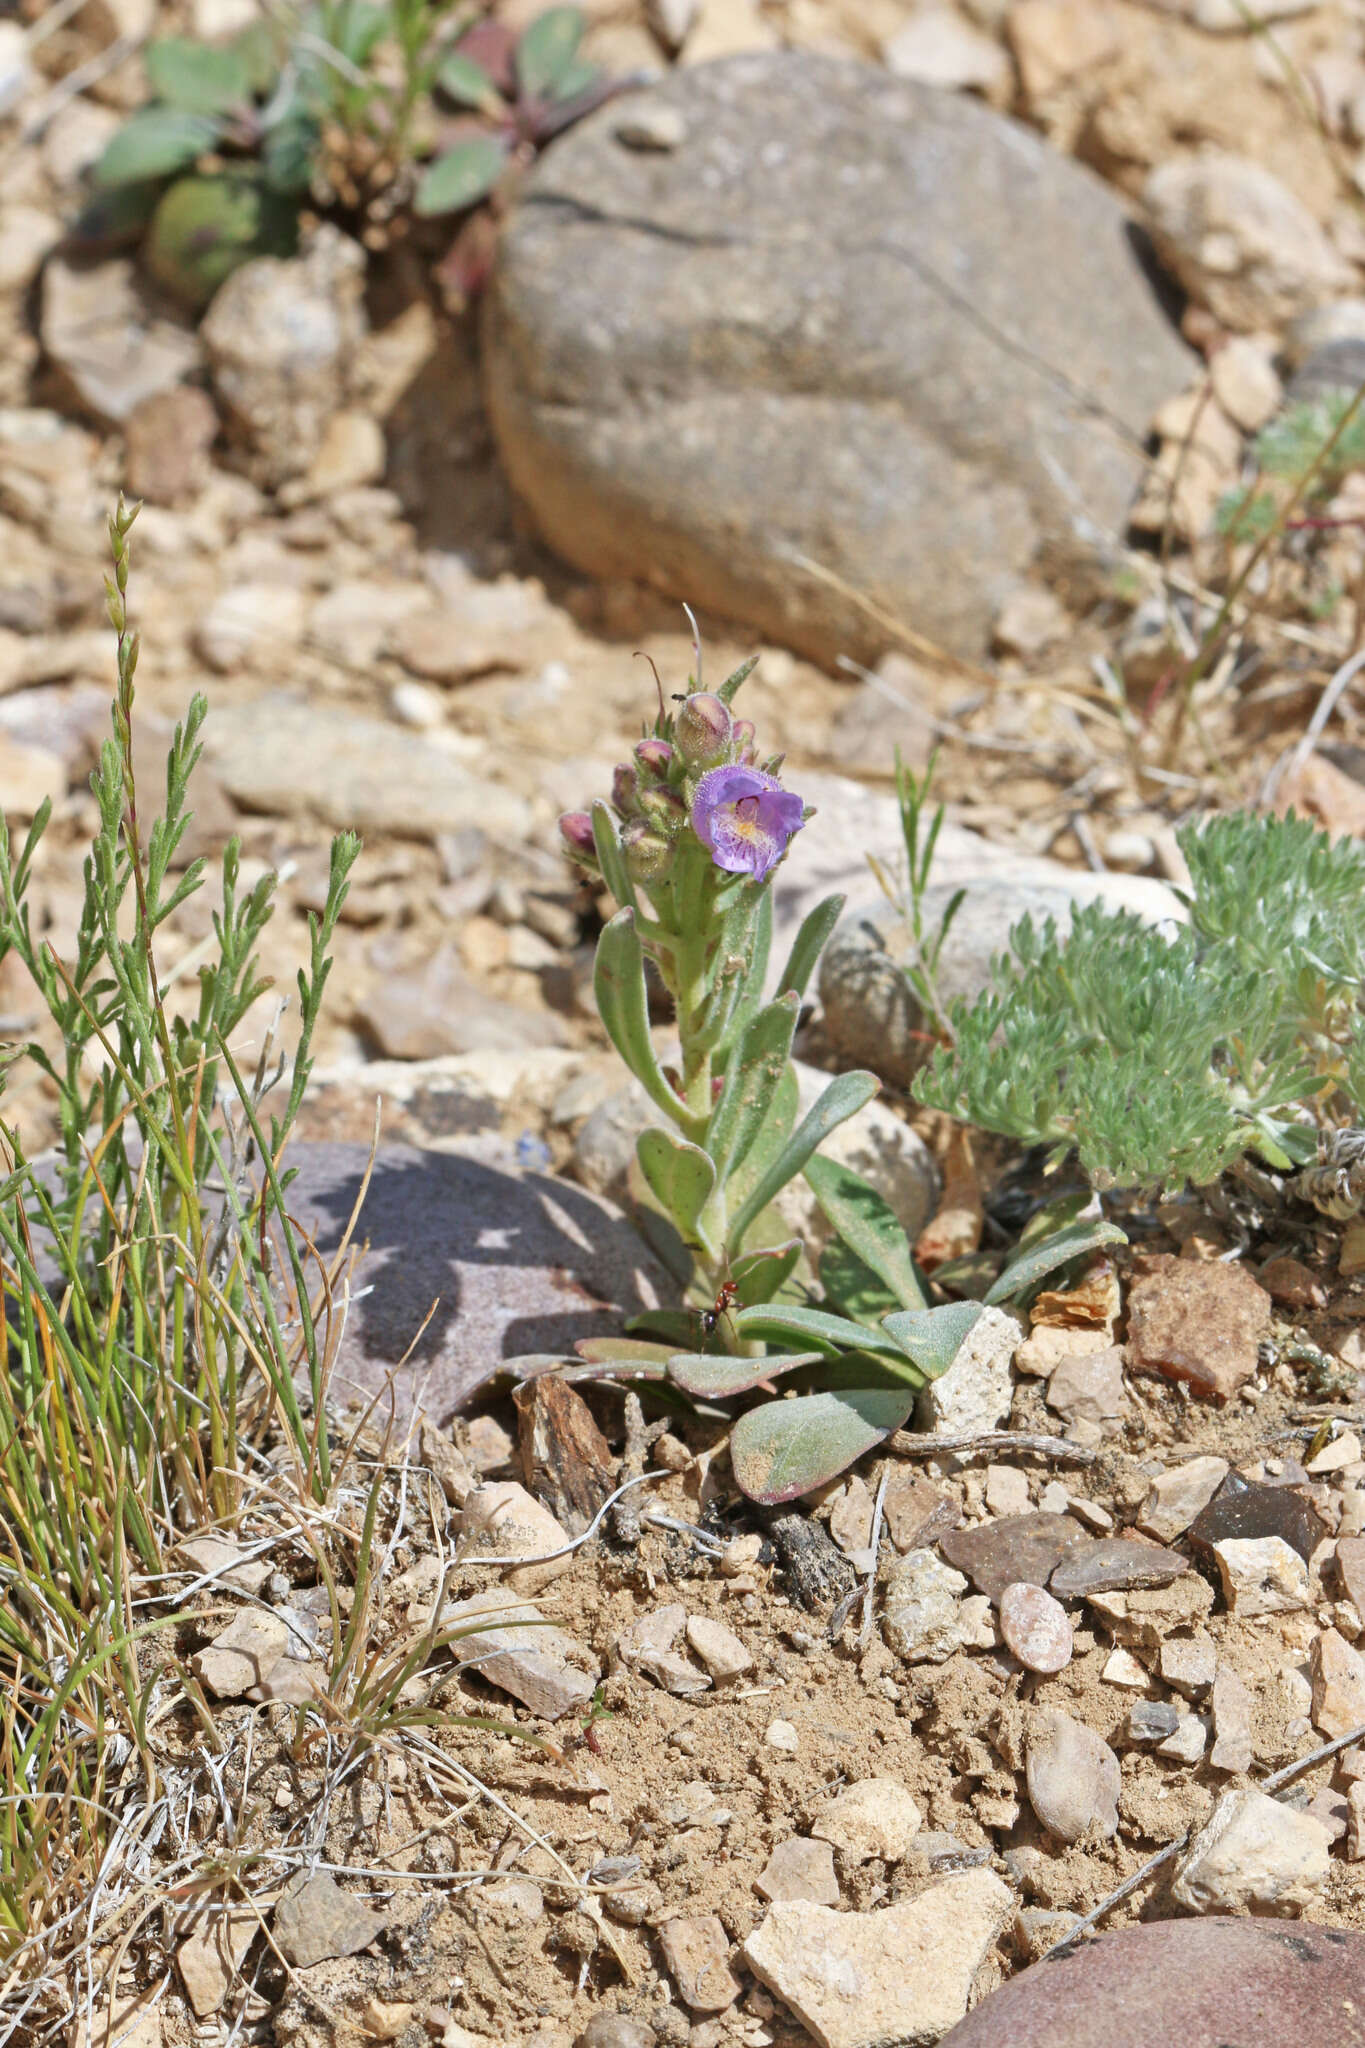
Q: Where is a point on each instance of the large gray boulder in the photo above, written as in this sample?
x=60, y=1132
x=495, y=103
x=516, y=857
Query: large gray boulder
x=848, y=318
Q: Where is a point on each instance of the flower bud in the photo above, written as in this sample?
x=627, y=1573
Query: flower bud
x=742, y=737
x=703, y=729
x=624, y=783
x=648, y=854
x=666, y=808
x=655, y=757
x=576, y=827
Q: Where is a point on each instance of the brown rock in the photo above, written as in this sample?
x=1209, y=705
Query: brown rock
x=1110, y=1564
x=315, y=1920
x=697, y=1954
x=1199, y=1322
x=212, y=1951
x=1338, y=1685
x=1089, y=1388
x=1231, y=1703
x=166, y=440
x=1244, y=1511
x=917, y=1514
x=1350, y=1560
x=800, y=1869
x=243, y=1654
x=1073, y=1777
x=1289, y=1281
x=1017, y=1550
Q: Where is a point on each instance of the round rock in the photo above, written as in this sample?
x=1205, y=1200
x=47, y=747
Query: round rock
x=1073, y=1777
x=680, y=394
x=1036, y=1627
x=1201, y=1983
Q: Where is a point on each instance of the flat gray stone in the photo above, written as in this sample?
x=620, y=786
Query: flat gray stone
x=849, y=317
x=521, y=1264
x=279, y=756
x=1214, y=1983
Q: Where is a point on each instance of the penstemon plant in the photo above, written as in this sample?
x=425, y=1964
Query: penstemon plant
x=697, y=825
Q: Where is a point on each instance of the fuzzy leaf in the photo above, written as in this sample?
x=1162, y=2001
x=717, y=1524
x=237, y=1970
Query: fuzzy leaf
x=834, y=1335
x=752, y=1076
x=681, y=1176
x=730, y=686
x=155, y=142
x=933, y=1336
x=623, y=1350
x=195, y=77
x=785, y=1448
x=843, y=1098
x=1024, y=1273
x=761, y=1274
x=809, y=944
x=607, y=846
x=867, y=1224
x=851, y=1287
x=468, y=83
x=461, y=177
x=713, y=1378
x=547, y=51
x=619, y=987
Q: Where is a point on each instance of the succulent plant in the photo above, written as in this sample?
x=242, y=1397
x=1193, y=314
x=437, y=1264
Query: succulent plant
x=369, y=110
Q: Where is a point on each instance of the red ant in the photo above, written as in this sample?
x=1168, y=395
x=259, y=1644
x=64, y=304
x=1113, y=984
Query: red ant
x=720, y=1309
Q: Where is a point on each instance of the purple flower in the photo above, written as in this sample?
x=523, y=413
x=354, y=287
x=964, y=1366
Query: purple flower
x=745, y=819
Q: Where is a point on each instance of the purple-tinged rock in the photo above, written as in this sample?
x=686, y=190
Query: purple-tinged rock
x=1244, y=1511
x=1016, y=1550
x=1196, y=1983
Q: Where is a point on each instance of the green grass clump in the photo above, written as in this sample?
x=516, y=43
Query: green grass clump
x=161, y=1323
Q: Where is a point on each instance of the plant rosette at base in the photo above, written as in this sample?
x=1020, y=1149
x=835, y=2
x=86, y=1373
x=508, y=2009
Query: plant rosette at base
x=697, y=825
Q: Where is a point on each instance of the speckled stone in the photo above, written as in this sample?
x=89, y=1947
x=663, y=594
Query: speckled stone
x=1036, y=1627
x=1184, y=1984
x=1016, y=1549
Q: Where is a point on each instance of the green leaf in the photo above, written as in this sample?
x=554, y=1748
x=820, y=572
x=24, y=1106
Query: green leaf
x=730, y=686
x=1058, y=1250
x=810, y=943
x=580, y=77
x=786, y=1448
x=682, y=1178
x=868, y=1226
x=752, y=1076
x=619, y=987
x=740, y=970
x=155, y=142
x=288, y=148
x=761, y=1274
x=547, y=51
x=623, y=1350
x=715, y=1379
x=607, y=846
x=933, y=1336
x=468, y=83
x=851, y=1287
x=832, y=1334
x=195, y=77
x=259, y=48
x=357, y=28
x=461, y=177
x=843, y=1098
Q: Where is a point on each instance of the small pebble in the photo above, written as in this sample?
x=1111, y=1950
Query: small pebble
x=1036, y=1627
x=1188, y=1742
x=1122, y=1668
x=1152, y=1721
x=782, y=1735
